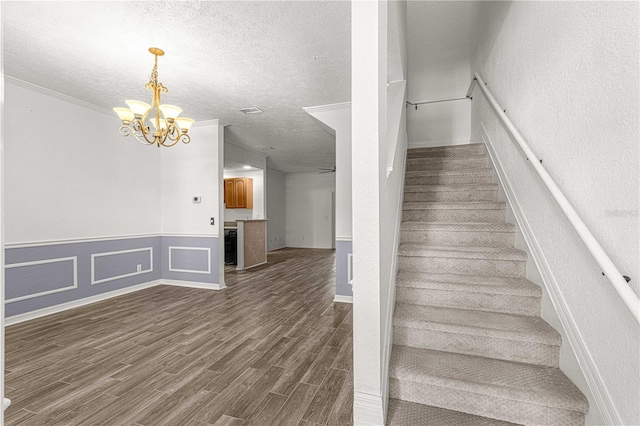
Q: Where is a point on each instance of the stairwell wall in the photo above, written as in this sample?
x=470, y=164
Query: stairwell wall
x=567, y=74
x=438, y=68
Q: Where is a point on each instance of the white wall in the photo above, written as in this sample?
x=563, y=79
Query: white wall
x=2, y=174
x=308, y=209
x=276, y=210
x=439, y=64
x=377, y=195
x=71, y=174
x=258, y=211
x=567, y=74
x=187, y=171
x=337, y=120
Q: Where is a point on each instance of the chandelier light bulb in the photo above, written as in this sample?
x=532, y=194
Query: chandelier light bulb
x=135, y=120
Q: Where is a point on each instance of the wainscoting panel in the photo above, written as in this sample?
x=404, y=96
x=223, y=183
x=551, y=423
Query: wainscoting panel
x=344, y=291
x=42, y=276
x=189, y=259
x=196, y=260
x=27, y=280
x=115, y=265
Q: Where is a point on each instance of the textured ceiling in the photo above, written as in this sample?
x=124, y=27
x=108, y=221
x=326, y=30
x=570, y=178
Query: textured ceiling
x=220, y=57
x=438, y=40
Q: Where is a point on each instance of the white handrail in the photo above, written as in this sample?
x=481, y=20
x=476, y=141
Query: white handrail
x=608, y=268
x=416, y=103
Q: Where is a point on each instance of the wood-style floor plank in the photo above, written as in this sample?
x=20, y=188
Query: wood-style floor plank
x=272, y=348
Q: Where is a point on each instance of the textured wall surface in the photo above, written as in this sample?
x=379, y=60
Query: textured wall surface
x=66, y=181
x=439, y=46
x=567, y=74
x=276, y=210
x=308, y=209
x=187, y=171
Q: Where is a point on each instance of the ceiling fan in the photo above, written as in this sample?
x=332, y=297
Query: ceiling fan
x=325, y=170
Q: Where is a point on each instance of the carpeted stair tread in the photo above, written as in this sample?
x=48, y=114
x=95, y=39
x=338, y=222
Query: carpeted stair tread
x=478, y=323
x=475, y=171
x=462, y=252
x=457, y=187
x=404, y=413
x=452, y=205
x=454, y=163
x=458, y=226
x=458, y=172
x=469, y=283
x=528, y=383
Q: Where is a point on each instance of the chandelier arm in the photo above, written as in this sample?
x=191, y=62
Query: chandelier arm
x=169, y=135
x=141, y=131
x=184, y=138
x=125, y=130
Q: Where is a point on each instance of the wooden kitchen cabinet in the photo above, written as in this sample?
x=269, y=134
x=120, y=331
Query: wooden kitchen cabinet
x=238, y=193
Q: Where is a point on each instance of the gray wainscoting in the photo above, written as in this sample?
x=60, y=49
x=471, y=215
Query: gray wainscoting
x=190, y=259
x=48, y=275
x=343, y=249
x=43, y=276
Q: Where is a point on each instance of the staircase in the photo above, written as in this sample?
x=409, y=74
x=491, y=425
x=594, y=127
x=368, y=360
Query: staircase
x=469, y=346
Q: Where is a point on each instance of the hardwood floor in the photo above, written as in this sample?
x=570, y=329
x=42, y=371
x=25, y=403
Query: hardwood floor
x=271, y=349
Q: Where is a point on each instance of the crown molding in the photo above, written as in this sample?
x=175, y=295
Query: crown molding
x=57, y=95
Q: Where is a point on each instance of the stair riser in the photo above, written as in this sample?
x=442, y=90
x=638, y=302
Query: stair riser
x=452, y=196
x=482, y=405
x=446, y=265
x=457, y=238
x=489, y=347
x=448, y=179
x=488, y=302
x=446, y=154
x=425, y=164
x=449, y=150
x=454, y=216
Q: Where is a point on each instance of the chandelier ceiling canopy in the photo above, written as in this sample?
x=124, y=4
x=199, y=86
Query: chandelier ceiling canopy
x=168, y=128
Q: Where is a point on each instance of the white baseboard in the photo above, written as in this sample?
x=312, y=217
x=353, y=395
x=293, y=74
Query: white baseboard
x=343, y=299
x=16, y=319
x=437, y=142
x=193, y=284
x=368, y=409
x=585, y=361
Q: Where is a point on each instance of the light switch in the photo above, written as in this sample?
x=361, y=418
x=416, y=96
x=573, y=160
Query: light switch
x=197, y=199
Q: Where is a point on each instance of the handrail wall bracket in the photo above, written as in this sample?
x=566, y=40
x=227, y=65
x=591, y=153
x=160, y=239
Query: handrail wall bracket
x=609, y=270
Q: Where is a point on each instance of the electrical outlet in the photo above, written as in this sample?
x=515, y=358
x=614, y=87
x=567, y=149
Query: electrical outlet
x=197, y=199
x=213, y=220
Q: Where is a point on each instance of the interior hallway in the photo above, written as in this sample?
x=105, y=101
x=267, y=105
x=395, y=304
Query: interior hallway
x=272, y=348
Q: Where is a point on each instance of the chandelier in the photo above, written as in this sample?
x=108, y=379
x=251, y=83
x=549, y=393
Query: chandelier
x=168, y=128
